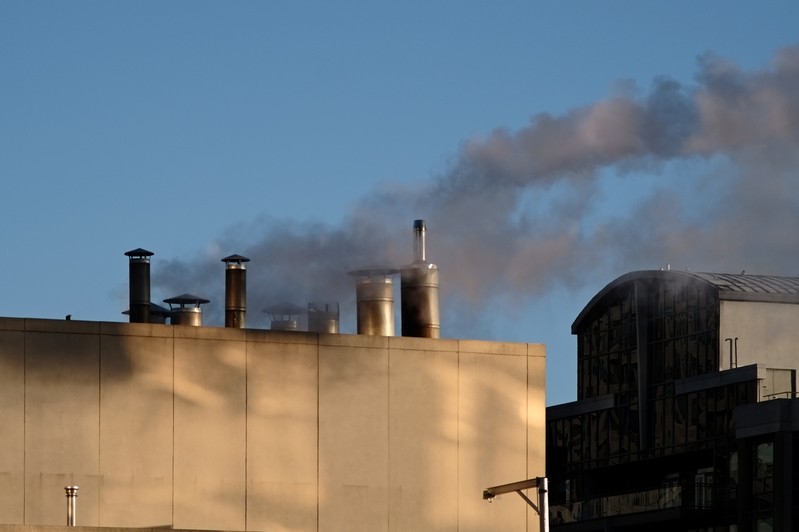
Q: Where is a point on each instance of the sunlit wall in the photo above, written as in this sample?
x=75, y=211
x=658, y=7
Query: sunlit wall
x=229, y=429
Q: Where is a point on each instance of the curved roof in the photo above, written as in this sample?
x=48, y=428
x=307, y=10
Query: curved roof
x=730, y=287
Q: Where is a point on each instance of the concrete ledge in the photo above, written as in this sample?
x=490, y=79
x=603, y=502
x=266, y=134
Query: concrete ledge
x=51, y=528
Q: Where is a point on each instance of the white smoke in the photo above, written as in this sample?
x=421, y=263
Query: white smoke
x=516, y=213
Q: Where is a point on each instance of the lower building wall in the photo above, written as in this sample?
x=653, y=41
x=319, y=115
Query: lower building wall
x=229, y=429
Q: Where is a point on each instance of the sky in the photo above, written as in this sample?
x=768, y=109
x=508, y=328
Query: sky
x=550, y=146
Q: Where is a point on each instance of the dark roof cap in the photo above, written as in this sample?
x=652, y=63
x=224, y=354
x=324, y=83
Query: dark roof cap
x=185, y=299
x=235, y=258
x=139, y=252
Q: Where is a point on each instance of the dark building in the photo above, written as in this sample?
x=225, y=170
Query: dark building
x=685, y=417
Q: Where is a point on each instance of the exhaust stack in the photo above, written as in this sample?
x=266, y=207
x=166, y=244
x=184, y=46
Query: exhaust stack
x=323, y=318
x=374, y=292
x=419, y=290
x=139, y=285
x=284, y=316
x=235, y=291
x=185, y=310
x=72, y=499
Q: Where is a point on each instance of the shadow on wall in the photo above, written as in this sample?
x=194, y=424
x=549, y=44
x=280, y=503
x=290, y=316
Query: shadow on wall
x=206, y=430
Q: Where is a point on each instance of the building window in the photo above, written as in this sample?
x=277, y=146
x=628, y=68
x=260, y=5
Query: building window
x=703, y=489
x=765, y=524
x=763, y=476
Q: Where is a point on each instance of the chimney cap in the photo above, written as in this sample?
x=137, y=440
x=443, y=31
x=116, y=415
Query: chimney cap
x=139, y=252
x=154, y=309
x=235, y=258
x=185, y=299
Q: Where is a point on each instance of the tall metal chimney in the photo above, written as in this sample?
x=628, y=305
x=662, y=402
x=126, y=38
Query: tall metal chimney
x=139, y=285
x=374, y=292
x=235, y=291
x=323, y=318
x=419, y=290
x=186, y=310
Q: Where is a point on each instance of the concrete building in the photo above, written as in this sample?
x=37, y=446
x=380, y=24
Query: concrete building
x=230, y=428
x=686, y=417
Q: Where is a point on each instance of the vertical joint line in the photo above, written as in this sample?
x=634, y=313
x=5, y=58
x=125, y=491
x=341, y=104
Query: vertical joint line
x=318, y=425
x=246, y=429
x=24, y=423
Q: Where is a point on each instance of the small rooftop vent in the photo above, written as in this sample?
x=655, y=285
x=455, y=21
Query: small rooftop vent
x=185, y=309
x=158, y=314
x=323, y=318
x=284, y=316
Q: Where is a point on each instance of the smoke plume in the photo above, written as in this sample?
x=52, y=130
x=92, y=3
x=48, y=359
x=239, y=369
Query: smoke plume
x=714, y=164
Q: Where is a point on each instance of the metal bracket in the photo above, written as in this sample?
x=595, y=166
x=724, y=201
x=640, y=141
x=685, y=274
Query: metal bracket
x=540, y=483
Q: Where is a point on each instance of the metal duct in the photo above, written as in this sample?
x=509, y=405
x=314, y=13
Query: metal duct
x=185, y=310
x=323, y=318
x=420, y=311
x=374, y=292
x=235, y=291
x=139, y=285
x=72, y=498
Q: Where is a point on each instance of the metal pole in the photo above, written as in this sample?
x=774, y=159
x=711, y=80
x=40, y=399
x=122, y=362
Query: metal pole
x=72, y=496
x=543, y=503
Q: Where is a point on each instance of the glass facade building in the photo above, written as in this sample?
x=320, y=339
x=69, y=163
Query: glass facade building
x=653, y=438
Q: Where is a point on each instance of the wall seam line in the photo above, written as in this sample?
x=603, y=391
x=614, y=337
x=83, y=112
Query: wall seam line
x=246, y=431
x=24, y=425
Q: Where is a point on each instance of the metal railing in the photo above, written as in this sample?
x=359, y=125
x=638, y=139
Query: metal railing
x=670, y=496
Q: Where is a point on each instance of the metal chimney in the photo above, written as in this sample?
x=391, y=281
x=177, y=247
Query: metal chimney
x=139, y=285
x=187, y=310
x=374, y=292
x=284, y=316
x=235, y=291
x=419, y=290
x=72, y=497
x=323, y=318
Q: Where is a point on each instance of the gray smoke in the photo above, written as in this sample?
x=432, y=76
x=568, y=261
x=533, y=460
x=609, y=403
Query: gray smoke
x=519, y=212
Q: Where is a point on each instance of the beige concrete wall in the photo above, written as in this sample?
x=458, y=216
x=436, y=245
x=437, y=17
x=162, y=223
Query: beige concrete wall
x=767, y=333
x=136, y=427
x=12, y=423
x=212, y=428
x=282, y=431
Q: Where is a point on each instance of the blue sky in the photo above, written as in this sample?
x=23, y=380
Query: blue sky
x=315, y=133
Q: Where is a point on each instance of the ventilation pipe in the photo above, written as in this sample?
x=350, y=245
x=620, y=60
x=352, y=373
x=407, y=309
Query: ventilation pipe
x=374, y=292
x=72, y=498
x=235, y=291
x=323, y=318
x=419, y=290
x=139, y=285
x=284, y=316
x=185, y=310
